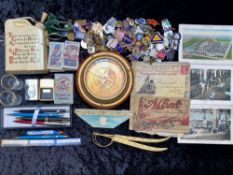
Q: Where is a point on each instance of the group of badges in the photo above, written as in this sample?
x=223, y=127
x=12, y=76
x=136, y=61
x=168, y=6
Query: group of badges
x=139, y=39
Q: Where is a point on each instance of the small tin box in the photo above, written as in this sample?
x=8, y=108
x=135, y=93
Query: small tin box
x=46, y=89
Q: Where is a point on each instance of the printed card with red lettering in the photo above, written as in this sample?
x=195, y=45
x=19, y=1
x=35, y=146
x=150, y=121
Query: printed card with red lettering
x=159, y=114
x=25, y=47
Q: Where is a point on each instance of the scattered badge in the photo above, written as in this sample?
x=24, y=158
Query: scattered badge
x=157, y=38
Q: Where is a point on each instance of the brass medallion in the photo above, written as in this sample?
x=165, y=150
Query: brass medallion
x=104, y=80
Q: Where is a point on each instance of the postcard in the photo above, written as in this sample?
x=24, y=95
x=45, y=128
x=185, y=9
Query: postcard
x=206, y=44
x=209, y=124
x=211, y=84
x=103, y=118
x=161, y=79
x=159, y=114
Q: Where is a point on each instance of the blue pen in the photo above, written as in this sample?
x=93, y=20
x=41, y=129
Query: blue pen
x=23, y=114
x=40, y=117
x=44, y=132
x=42, y=137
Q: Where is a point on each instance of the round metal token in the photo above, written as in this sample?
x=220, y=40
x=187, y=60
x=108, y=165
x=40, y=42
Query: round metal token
x=104, y=80
x=71, y=36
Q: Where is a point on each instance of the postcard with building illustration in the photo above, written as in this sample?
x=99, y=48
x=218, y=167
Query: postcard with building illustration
x=206, y=44
x=209, y=124
x=161, y=79
x=211, y=84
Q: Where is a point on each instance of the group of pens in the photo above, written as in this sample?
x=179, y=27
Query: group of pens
x=49, y=117
x=44, y=117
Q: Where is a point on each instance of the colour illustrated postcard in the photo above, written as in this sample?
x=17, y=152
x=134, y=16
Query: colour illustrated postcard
x=206, y=44
x=209, y=125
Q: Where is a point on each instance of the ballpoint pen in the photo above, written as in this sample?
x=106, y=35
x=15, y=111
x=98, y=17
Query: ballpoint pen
x=44, y=119
x=42, y=122
x=43, y=111
x=42, y=137
x=44, y=132
x=23, y=114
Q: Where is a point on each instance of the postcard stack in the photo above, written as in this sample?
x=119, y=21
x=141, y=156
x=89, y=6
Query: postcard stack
x=209, y=50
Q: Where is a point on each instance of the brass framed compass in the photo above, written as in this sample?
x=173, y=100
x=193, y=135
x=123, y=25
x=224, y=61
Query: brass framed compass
x=104, y=80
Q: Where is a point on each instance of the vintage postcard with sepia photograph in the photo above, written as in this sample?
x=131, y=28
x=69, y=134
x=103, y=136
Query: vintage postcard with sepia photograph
x=209, y=124
x=206, y=44
x=211, y=84
x=161, y=79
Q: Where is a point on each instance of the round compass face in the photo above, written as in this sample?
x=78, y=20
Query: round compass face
x=104, y=80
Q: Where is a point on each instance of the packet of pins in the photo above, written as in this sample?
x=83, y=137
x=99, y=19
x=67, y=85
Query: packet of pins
x=71, y=55
x=55, y=63
x=63, y=90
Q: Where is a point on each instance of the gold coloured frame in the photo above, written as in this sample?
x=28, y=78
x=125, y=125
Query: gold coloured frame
x=98, y=102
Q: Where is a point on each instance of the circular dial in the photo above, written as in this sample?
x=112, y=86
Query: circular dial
x=105, y=78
